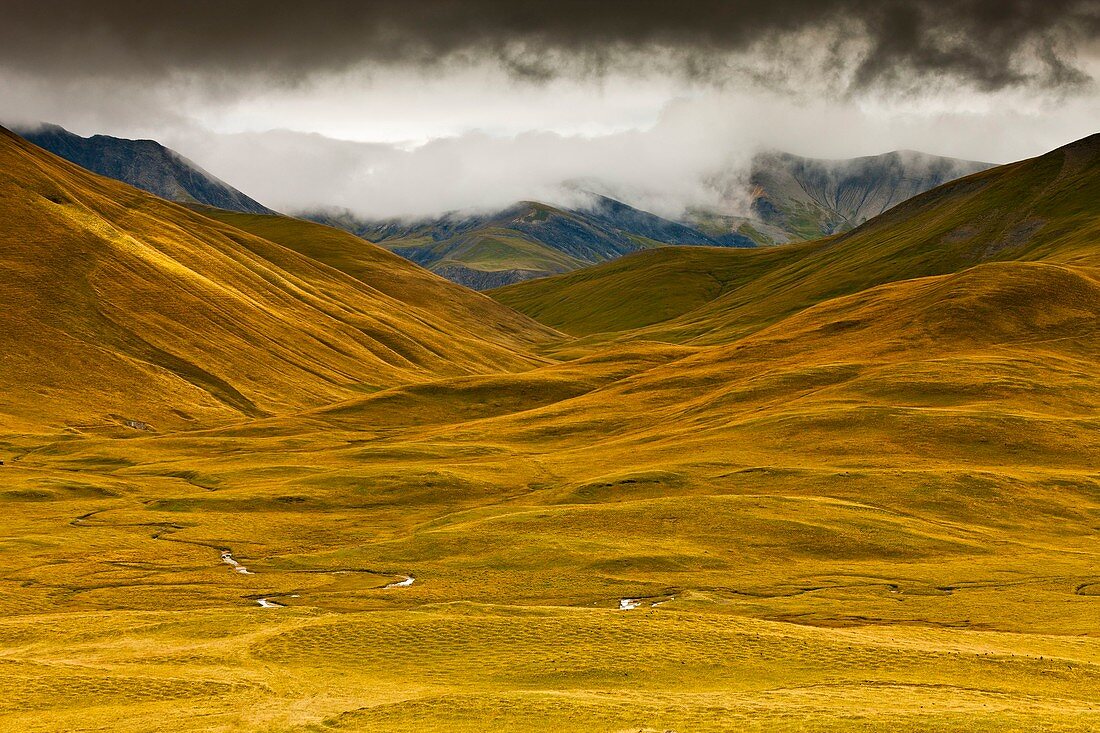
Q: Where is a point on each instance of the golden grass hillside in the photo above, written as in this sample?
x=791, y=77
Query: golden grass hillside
x=468, y=313
x=877, y=512
x=120, y=306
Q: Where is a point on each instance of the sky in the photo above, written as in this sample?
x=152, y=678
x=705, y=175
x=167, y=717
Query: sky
x=390, y=108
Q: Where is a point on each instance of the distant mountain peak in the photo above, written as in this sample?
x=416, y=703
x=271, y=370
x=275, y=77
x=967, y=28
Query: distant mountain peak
x=794, y=198
x=144, y=164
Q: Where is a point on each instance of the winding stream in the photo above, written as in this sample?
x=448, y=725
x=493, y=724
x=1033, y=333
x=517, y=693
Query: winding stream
x=409, y=580
x=164, y=530
x=228, y=559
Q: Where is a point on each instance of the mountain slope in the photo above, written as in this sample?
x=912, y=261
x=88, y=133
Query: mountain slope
x=1038, y=209
x=144, y=164
x=119, y=305
x=389, y=274
x=796, y=198
x=529, y=240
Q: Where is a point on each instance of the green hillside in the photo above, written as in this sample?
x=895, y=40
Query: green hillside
x=642, y=289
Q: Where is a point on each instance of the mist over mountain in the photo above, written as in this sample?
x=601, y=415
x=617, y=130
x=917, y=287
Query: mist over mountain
x=790, y=198
x=794, y=198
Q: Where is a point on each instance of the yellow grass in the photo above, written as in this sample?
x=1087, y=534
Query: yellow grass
x=879, y=511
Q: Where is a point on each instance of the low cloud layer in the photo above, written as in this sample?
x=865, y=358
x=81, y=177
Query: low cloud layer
x=666, y=167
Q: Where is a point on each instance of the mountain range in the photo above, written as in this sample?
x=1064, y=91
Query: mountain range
x=792, y=199
x=1032, y=210
x=528, y=240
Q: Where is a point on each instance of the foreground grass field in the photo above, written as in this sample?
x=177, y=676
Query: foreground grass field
x=879, y=509
x=862, y=586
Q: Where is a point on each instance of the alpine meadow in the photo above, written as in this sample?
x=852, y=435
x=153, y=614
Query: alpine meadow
x=570, y=425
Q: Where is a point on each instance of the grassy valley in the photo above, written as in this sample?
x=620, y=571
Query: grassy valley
x=261, y=475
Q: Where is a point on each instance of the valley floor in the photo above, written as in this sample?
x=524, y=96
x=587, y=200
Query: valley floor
x=905, y=577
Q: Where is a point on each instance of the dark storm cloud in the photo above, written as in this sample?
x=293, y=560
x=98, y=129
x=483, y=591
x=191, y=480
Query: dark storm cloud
x=990, y=43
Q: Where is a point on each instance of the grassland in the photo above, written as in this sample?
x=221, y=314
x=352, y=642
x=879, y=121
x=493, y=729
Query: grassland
x=874, y=506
